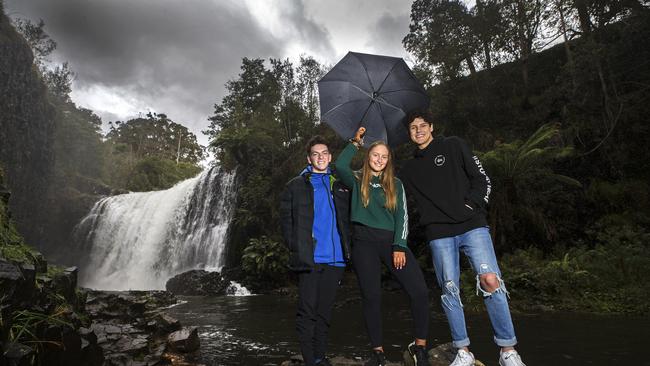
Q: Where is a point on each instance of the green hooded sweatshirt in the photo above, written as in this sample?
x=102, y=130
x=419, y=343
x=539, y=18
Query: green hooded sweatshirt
x=375, y=215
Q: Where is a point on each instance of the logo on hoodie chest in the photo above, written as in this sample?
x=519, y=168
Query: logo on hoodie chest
x=439, y=160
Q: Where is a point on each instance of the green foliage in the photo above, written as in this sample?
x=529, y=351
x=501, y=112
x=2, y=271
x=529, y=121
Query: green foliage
x=152, y=153
x=19, y=253
x=78, y=146
x=261, y=127
x=12, y=246
x=27, y=325
x=521, y=172
x=609, y=275
x=156, y=136
x=441, y=35
x=265, y=260
x=37, y=38
x=153, y=173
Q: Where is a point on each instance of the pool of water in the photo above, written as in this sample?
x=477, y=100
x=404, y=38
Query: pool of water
x=259, y=330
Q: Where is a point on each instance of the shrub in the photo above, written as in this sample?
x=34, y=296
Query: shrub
x=265, y=260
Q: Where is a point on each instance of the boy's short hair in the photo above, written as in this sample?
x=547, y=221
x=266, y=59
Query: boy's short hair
x=418, y=113
x=316, y=140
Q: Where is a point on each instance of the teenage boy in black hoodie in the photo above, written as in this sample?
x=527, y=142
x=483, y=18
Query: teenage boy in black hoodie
x=451, y=190
x=314, y=213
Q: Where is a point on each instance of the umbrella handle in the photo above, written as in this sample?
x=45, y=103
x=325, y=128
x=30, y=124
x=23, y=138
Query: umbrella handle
x=358, y=136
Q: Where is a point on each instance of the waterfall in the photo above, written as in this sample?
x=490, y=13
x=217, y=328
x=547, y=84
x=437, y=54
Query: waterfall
x=139, y=240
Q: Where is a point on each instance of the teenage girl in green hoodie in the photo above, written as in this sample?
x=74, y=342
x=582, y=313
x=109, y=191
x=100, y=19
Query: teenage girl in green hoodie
x=380, y=229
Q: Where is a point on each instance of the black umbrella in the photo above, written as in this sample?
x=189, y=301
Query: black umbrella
x=371, y=91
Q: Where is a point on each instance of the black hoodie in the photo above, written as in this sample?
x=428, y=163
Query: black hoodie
x=449, y=185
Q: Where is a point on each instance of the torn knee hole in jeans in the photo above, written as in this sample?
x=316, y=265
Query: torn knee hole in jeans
x=485, y=269
x=450, y=292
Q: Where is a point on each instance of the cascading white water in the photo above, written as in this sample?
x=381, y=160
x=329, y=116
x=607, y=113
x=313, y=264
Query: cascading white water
x=137, y=241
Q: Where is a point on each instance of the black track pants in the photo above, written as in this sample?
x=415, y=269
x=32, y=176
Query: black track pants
x=370, y=248
x=317, y=292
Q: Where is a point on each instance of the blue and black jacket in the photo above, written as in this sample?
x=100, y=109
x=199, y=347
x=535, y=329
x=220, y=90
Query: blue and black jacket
x=313, y=224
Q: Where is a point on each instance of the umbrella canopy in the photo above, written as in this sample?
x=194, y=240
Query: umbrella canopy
x=372, y=91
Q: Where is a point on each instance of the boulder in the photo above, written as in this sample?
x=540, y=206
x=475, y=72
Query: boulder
x=440, y=355
x=164, y=323
x=185, y=340
x=18, y=354
x=11, y=278
x=296, y=360
x=198, y=283
x=65, y=283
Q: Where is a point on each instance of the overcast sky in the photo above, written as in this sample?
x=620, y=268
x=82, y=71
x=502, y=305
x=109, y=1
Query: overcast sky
x=174, y=56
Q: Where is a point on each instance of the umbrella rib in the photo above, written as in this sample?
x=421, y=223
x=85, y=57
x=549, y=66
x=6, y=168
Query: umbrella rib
x=387, y=75
x=367, y=75
x=401, y=90
x=341, y=105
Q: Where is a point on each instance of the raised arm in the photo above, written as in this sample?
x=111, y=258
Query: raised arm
x=343, y=170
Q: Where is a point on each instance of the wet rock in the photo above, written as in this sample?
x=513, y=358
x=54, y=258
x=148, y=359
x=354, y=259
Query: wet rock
x=132, y=329
x=181, y=359
x=165, y=323
x=65, y=283
x=440, y=355
x=296, y=360
x=131, y=344
x=91, y=353
x=39, y=263
x=29, y=272
x=17, y=354
x=88, y=334
x=184, y=340
x=198, y=283
x=11, y=278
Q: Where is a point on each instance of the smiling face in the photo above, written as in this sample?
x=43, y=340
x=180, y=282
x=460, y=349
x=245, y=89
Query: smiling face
x=378, y=158
x=319, y=157
x=421, y=132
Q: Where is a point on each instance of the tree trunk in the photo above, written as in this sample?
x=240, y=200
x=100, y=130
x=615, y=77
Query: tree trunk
x=484, y=40
x=567, y=49
x=470, y=65
x=583, y=15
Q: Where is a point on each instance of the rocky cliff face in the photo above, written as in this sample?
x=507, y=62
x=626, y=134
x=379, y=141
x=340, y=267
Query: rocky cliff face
x=26, y=130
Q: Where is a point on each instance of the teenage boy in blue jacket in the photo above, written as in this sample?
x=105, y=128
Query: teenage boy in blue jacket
x=314, y=212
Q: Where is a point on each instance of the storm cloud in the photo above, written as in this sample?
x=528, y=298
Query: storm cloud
x=174, y=57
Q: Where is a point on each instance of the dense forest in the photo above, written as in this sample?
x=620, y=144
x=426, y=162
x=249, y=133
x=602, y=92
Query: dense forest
x=552, y=94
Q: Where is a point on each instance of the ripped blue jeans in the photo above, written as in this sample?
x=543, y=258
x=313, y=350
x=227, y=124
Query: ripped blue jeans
x=477, y=246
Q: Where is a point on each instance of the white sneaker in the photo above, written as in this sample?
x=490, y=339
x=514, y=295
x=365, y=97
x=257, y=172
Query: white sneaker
x=463, y=358
x=510, y=358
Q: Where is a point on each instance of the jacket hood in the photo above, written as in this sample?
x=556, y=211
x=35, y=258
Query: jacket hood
x=309, y=170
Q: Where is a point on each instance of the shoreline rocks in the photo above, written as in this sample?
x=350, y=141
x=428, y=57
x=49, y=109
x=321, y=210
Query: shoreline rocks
x=44, y=316
x=132, y=329
x=440, y=355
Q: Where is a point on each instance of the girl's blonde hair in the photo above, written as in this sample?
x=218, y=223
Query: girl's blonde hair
x=387, y=179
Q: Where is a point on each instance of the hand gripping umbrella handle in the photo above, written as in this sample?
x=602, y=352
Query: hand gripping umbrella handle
x=358, y=136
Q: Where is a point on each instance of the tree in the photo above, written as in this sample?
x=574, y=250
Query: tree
x=156, y=136
x=59, y=81
x=521, y=36
x=308, y=73
x=487, y=24
x=259, y=128
x=440, y=35
x=37, y=38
